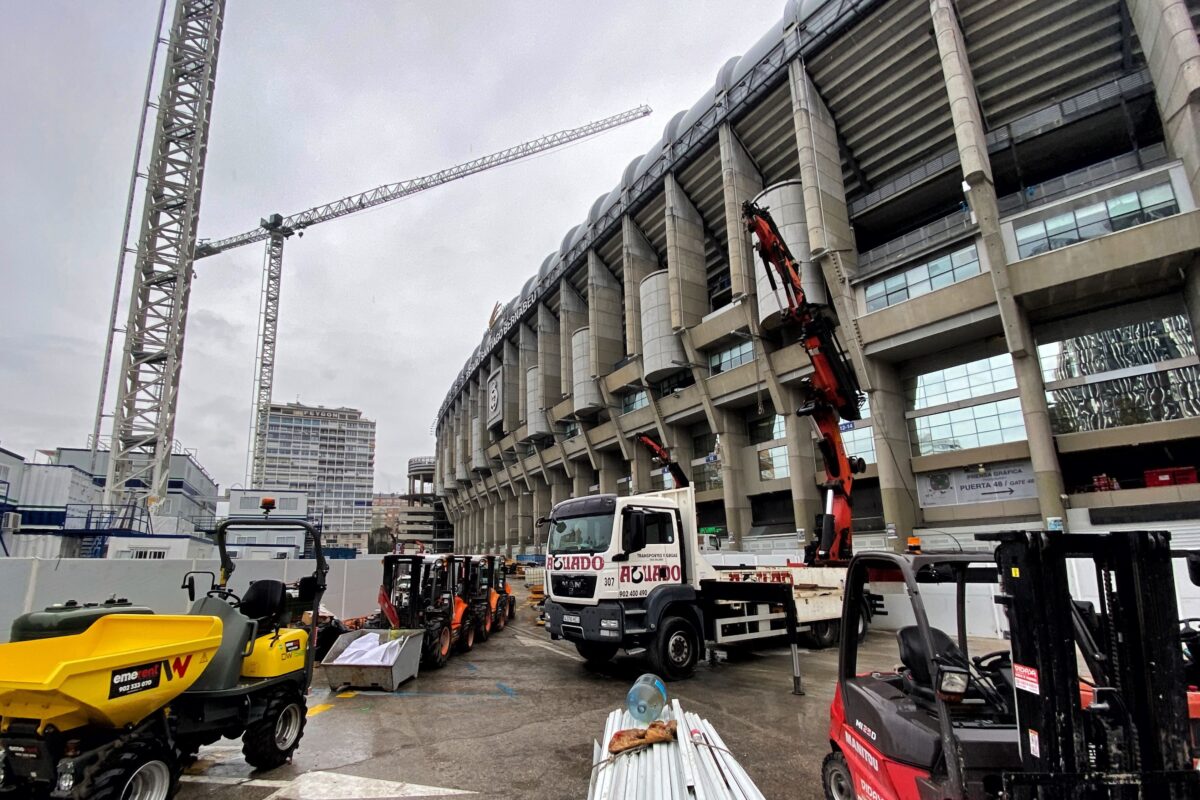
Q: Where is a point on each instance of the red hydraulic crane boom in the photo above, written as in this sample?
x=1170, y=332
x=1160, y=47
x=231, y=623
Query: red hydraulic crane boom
x=831, y=393
x=663, y=457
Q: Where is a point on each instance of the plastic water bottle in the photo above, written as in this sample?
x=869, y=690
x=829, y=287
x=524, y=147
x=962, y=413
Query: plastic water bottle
x=646, y=698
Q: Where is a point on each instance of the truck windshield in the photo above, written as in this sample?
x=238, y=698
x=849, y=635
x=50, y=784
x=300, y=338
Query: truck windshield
x=581, y=534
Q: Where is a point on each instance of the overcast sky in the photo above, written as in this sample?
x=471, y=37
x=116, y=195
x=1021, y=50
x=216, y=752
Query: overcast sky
x=316, y=100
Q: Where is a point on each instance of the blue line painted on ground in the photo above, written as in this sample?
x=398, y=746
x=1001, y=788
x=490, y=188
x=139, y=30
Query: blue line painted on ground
x=471, y=667
x=508, y=690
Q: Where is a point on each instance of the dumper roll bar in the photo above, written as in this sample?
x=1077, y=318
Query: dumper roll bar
x=322, y=568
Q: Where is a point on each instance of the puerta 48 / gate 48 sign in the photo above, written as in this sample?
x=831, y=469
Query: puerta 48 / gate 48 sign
x=1005, y=480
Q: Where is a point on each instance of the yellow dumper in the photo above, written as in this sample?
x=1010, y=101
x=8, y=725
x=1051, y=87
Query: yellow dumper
x=108, y=705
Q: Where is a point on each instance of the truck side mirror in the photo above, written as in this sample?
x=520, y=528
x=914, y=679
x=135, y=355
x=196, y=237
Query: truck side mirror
x=635, y=532
x=1193, y=565
x=189, y=583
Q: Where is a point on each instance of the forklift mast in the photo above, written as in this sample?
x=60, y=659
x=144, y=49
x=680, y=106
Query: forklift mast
x=832, y=393
x=1136, y=724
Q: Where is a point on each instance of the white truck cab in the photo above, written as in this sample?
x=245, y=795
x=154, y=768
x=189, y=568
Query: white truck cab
x=627, y=572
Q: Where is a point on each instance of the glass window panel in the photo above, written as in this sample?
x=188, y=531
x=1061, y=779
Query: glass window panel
x=917, y=274
x=1123, y=204
x=877, y=303
x=894, y=282
x=961, y=257
x=941, y=281
x=965, y=428
x=1156, y=194
x=874, y=290
x=1029, y=233
x=1094, y=229
x=1161, y=210
x=1096, y=212
x=898, y=296
x=966, y=271
x=987, y=438
x=939, y=265
x=918, y=289
x=1059, y=223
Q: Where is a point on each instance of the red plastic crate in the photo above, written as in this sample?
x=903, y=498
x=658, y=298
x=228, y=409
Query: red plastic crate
x=1160, y=477
x=1184, y=475
x=1170, y=476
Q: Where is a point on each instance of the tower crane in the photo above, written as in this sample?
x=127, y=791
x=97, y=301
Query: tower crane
x=276, y=229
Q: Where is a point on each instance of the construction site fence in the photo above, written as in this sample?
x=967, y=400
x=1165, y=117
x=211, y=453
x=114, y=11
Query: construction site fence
x=31, y=584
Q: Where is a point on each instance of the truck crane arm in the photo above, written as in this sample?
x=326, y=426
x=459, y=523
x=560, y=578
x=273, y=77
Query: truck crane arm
x=831, y=393
x=662, y=456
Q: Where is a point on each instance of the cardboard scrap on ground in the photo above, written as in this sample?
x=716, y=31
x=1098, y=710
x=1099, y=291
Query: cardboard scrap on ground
x=640, y=737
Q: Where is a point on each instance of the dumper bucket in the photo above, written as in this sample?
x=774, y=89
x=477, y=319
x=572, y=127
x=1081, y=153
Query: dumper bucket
x=117, y=672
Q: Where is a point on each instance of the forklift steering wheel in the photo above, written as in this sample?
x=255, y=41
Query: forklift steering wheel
x=226, y=595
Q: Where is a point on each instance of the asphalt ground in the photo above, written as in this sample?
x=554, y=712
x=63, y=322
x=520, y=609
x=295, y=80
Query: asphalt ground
x=516, y=718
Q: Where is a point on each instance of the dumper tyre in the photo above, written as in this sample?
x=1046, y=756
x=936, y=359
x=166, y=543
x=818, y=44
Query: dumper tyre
x=483, y=631
x=676, y=649
x=501, y=621
x=836, y=778
x=270, y=742
x=512, y=608
x=437, y=647
x=596, y=653
x=140, y=769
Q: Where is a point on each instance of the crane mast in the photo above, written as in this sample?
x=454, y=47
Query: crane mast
x=831, y=393
x=144, y=419
x=276, y=228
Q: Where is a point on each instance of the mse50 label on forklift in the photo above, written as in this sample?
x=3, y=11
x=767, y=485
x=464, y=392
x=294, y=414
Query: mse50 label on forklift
x=131, y=680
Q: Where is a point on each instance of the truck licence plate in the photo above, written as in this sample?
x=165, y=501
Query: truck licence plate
x=571, y=618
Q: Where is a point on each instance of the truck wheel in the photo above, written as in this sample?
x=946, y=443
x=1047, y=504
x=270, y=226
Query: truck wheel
x=484, y=631
x=437, y=648
x=835, y=775
x=140, y=770
x=512, y=608
x=596, y=653
x=676, y=649
x=821, y=635
x=270, y=742
x=501, y=621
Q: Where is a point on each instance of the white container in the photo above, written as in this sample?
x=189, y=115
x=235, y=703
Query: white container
x=385, y=677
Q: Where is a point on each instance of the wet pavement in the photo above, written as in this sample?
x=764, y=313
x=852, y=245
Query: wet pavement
x=516, y=718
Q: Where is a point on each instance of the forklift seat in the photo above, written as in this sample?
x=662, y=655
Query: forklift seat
x=265, y=602
x=917, y=680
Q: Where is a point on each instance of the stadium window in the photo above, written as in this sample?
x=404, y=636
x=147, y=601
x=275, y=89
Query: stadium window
x=924, y=278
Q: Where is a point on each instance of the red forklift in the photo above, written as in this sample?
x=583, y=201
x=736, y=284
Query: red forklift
x=502, y=606
x=1027, y=723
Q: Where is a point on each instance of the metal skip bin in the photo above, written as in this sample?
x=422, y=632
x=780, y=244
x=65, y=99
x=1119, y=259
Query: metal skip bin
x=387, y=676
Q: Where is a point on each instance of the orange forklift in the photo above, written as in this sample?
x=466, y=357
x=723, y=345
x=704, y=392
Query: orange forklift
x=502, y=606
x=427, y=592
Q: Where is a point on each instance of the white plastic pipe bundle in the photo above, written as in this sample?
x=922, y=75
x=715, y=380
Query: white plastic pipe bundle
x=698, y=766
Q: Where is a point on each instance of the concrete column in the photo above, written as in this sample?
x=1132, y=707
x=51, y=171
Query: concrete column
x=511, y=535
x=1168, y=38
x=605, y=295
x=638, y=259
x=524, y=523
x=737, y=505
x=893, y=454
x=639, y=470
x=560, y=487
x=612, y=468
x=685, y=257
x=802, y=463
x=581, y=484
x=526, y=358
x=969, y=133
x=740, y=181
x=572, y=315
x=510, y=377
x=549, y=348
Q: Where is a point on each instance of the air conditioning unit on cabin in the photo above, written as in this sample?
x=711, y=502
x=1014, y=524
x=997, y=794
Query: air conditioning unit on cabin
x=10, y=522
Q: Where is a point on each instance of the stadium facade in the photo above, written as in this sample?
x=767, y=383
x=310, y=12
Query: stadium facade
x=999, y=201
